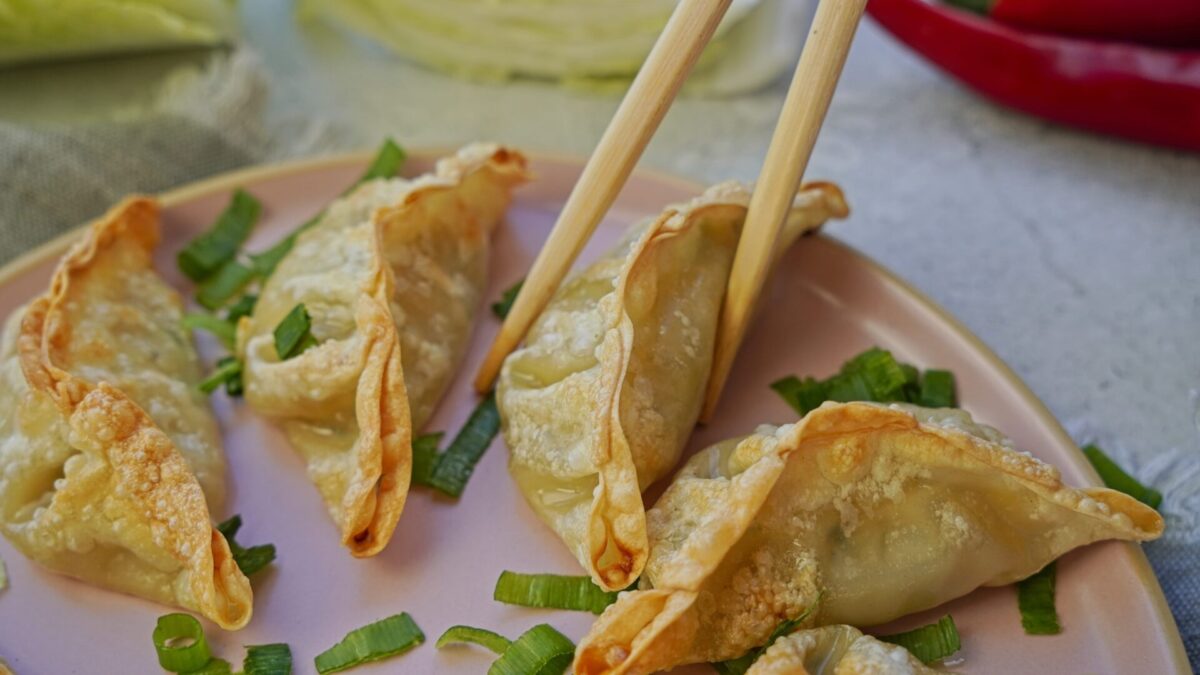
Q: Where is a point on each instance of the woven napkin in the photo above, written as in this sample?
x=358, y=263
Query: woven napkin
x=204, y=120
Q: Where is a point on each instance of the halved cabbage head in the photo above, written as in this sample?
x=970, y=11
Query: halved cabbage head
x=860, y=512
x=392, y=277
x=109, y=449
x=600, y=401
x=836, y=650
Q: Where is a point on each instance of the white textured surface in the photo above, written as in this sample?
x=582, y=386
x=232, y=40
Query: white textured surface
x=1076, y=258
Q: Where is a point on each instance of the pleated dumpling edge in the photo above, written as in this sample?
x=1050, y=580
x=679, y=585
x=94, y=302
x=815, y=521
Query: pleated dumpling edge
x=392, y=276
x=126, y=510
x=602, y=397
x=858, y=514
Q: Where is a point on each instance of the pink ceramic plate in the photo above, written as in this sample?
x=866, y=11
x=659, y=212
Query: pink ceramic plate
x=826, y=304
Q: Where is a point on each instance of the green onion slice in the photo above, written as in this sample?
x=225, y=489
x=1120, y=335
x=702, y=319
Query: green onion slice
x=873, y=375
x=221, y=329
x=934, y=642
x=249, y=560
x=180, y=643
x=205, y=254
x=937, y=390
x=380, y=640
x=425, y=456
x=1115, y=478
x=229, y=369
x=454, y=466
x=803, y=395
x=461, y=635
x=243, y=307
x=216, y=290
x=500, y=309
x=214, y=667
x=541, y=650
x=272, y=659
x=293, y=334
x=3, y=576
x=742, y=663
x=1035, y=599
x=387, y=162
x=552, y=591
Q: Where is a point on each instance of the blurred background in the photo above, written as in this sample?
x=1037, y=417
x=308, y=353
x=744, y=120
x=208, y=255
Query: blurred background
x=1074, y=254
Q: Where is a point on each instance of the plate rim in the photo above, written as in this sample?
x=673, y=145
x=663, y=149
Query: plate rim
x=228, y=180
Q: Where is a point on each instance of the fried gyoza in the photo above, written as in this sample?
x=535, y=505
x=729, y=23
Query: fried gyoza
x=108, y=448
x=600, y=401
x=392, y=277
x=861, y=513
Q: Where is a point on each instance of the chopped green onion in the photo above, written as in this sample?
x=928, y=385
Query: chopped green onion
x=873, y=375
x=216, y=290
x=249, y=560
x=387, y=162
x=500, y=309
x=180, y=643
x=380, y=640
x=937, y=390
x=1035, y=599
x=205, y=254
x=454, y=466
x=272, y=659
x=934, y=642
x=3, y=576
x=221, y=329
x=1115, y=478
x=293, y=334
x=541, y=650
x=742, y=663
x=461, y=635
x=803, y=395
x=912, y=384
x=229, y=369
x=243, y=307
x=213, y=667
x=424, y=456
x=234, y=386
x=552, y=591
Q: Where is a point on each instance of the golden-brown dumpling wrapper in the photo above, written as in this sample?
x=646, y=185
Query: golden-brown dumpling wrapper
x=601, y=400
x=392, y=276
x=861, y=513
x=836, y=650
x=108, y=447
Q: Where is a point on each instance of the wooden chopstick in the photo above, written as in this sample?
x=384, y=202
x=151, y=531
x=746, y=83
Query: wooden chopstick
x=791, y=146
x=687, y=32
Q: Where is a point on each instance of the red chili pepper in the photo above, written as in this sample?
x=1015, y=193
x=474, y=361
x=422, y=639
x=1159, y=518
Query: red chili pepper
x=1143, y=93
x=1172, y=23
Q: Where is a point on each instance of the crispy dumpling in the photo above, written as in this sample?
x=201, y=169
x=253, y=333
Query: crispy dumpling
x=392, y=276
x=109, y=450
x=860, y=513
x=836, y=650
x=600, y=401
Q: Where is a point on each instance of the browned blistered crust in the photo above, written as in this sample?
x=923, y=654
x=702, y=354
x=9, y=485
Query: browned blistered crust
x=145, y=470
x=699, y=520
x=367, y=510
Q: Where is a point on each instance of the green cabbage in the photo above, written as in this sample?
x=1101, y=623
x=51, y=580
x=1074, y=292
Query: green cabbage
x=587, y=42
x=32, y=30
